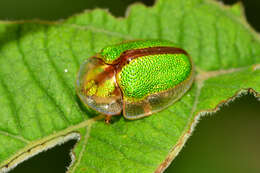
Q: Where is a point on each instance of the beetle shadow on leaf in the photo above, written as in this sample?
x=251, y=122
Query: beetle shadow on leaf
x=92, y=113
x=116, y=118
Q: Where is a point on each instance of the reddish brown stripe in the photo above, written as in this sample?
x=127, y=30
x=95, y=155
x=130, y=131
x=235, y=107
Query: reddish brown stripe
x=129, y=55
x=108, y=73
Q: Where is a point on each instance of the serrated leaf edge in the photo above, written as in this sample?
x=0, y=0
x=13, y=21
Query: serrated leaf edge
x=200, y=78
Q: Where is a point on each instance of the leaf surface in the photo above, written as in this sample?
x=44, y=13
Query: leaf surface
x=39, y=62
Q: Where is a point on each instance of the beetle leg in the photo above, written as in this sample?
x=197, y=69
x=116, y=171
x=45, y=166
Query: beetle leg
x=147, y=109
x=108, y=119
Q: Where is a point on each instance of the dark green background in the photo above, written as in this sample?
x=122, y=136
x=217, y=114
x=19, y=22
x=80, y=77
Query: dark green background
x=225, y=142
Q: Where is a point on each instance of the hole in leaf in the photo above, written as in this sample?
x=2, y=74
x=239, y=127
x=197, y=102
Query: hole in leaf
x=227, y=141
x=54, y=160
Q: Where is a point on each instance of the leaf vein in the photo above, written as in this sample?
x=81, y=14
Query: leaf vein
x=181, y=27
x=120, y=151
x=12, y=105
x=31, y=73
x=20, y=138
x=198, y=38
x=74, y=57
x=217, y=36
x=69, y=90
x=104, y=31
x=86, y=137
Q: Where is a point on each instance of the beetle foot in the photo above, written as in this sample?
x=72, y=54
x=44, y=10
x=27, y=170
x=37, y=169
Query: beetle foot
x=108, y=119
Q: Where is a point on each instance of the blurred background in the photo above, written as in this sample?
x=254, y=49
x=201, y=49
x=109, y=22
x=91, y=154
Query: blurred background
x=225, y=142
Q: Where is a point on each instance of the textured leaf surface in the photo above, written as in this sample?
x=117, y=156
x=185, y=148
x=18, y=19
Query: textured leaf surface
x=39, y=61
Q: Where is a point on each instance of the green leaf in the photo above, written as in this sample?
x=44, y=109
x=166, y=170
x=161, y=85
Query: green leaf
x=39, y=62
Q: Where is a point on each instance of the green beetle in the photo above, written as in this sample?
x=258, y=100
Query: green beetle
x=138, y=77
